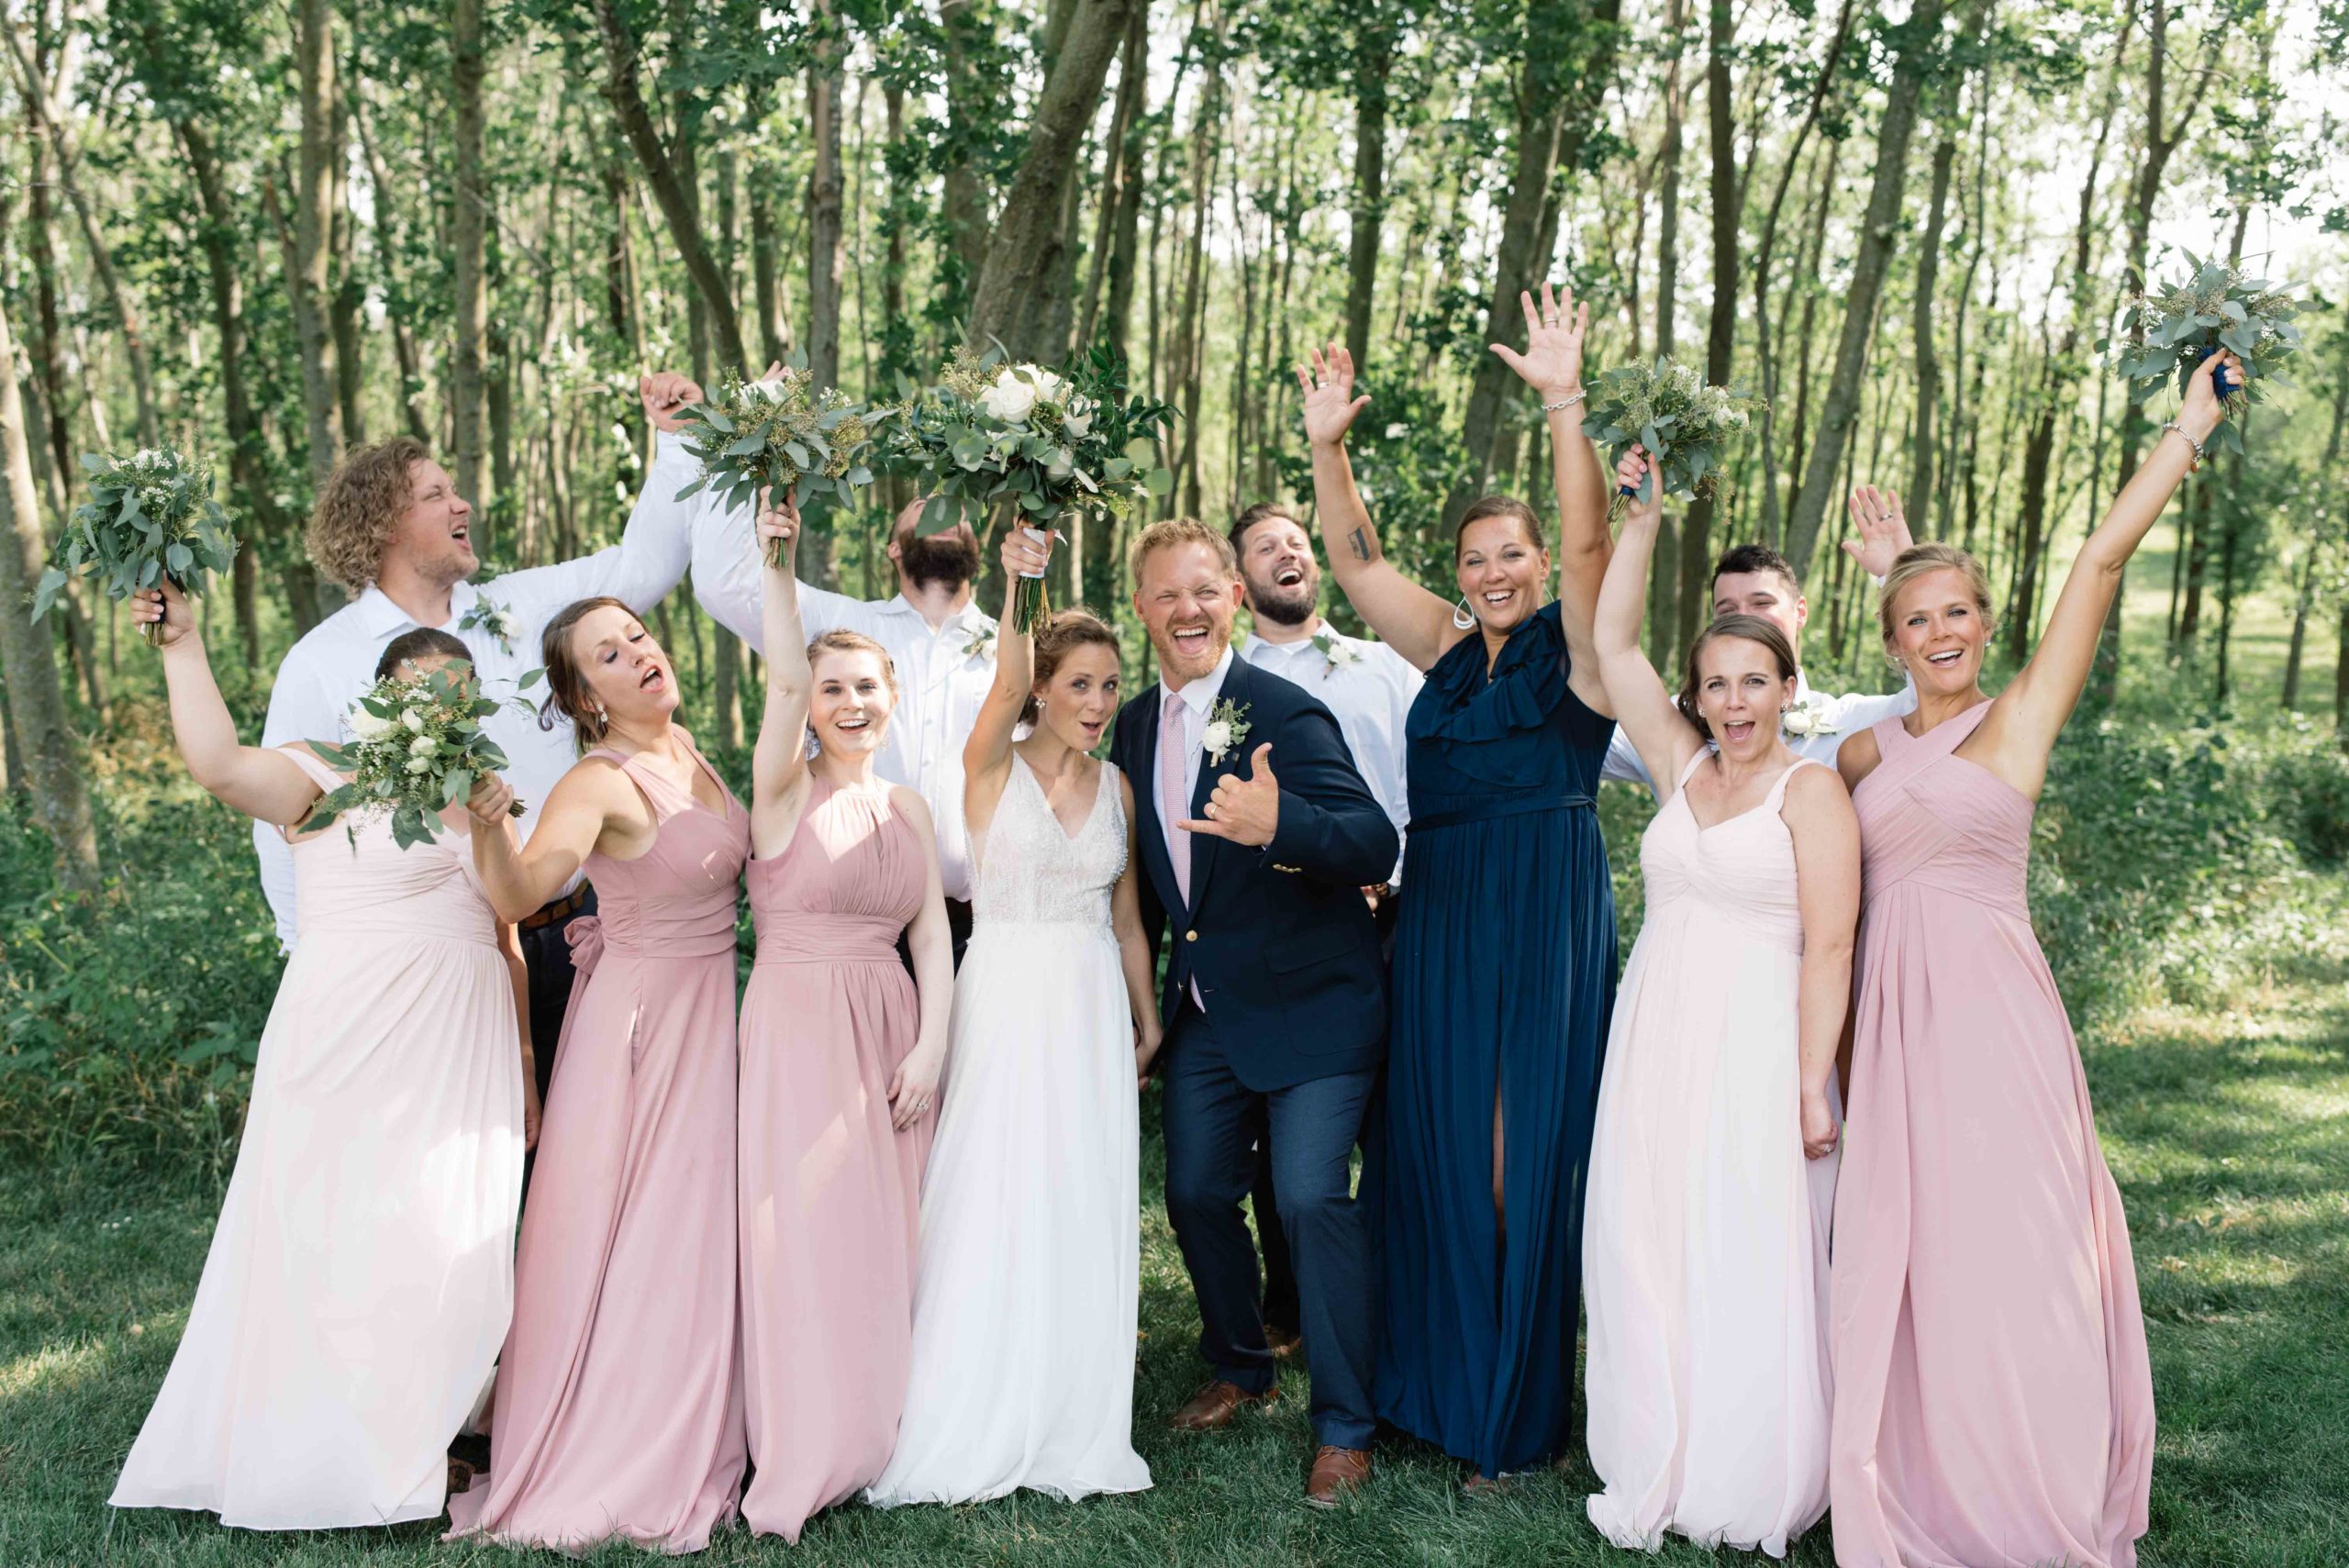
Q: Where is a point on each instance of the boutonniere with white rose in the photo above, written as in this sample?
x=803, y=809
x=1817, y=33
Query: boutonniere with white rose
x=1226, y=728
x=492, y=618
x=1335, y=652
x=1807, y=717
x=981, y=643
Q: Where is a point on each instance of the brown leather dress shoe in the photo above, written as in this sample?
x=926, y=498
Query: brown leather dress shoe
x=1215, y=1405
x=1283, y=1342
x=1336, y=1472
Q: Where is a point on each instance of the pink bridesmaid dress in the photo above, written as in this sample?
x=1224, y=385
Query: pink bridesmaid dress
x=619, y=1401
x=830, y=1191
x=1994, y=1403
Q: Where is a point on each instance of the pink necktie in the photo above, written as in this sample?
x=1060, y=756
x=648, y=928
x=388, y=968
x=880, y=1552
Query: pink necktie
x=1173, y=738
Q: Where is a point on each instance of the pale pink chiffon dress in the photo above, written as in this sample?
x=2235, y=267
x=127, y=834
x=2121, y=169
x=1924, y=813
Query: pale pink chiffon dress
x=619, y=1401
x=1994, y=1404
x=830, y=1191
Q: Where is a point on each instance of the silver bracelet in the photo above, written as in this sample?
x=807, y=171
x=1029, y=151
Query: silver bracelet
x=2196, y=466
x=1568, y=401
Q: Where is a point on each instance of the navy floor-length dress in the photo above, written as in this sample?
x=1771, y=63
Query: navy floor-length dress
x=1504, y=977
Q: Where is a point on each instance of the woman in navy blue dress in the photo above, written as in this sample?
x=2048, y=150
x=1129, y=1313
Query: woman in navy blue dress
x=1505, y=956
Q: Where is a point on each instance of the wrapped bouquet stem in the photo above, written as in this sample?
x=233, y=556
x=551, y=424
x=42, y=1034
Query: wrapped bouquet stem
x=150, y=519
x=1667, y=410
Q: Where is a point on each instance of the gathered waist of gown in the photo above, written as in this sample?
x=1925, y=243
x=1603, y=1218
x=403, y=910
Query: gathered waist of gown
x=436, y=920
x=2010, y=901
x=808, y=937
x=1688, y=905
x=1453, y=810
x=688, y=929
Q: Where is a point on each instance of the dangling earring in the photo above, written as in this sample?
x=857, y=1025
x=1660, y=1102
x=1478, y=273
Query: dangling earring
x=1463, y=619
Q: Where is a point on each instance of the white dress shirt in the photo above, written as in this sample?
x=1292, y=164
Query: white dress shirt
x=332, y=666
x=1372, y=696
x=1846, y=714
x=943, y=672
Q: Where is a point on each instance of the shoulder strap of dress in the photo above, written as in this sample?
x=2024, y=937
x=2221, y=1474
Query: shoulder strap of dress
x=313, y=765
x=1689, y=771
x=1777, y=796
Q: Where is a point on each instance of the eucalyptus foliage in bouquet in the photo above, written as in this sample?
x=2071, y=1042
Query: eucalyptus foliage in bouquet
x=416, y=748
x=1679, y=421
x=2216, y=306
x=151, y=516
x=781, y=430
x=1028, y=441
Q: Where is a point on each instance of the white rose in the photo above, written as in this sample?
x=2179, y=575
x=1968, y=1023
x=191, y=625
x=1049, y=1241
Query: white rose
x=1049, y=387
x=1218, y=737
x=1077, y=425
x=422, y=746
x=370, y=726
x=414, y=720
x=1063, y=463
x=1010, y=399
x=770, y=389
x=422, y=765
x=1798, y=721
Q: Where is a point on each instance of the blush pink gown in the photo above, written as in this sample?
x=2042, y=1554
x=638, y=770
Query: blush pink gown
x=619, y=1397
x=1994, y=1403
x=830, y=1191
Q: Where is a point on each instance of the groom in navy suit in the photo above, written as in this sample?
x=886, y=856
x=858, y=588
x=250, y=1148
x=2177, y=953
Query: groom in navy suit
x=1256, y=835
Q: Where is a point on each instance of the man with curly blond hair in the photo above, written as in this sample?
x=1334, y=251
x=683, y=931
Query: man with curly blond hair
x=391, y=528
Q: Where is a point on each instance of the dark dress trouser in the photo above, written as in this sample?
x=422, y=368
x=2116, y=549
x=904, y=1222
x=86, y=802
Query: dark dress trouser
x=1210, y=1165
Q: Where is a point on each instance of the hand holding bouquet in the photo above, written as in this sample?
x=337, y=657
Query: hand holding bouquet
x=1033, y=441
x=2173, y=329
x=417, y=749
x=781, y=431
x=151, y=519
x=1667, y=411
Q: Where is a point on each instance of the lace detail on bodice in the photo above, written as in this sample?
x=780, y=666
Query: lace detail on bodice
x=1029, y=870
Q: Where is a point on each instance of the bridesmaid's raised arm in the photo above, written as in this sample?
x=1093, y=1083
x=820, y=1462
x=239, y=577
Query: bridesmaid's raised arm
x=779, y=761
x=1414, y=622
x=1643, y=706
x=2019, y=731
x=1551, y=366
x=986, y=755
x=261, y=782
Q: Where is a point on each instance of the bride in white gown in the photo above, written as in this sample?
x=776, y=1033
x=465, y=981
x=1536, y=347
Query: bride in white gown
x=1024, y=1298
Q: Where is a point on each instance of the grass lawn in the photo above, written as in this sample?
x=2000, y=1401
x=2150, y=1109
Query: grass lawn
x=2229, y=1131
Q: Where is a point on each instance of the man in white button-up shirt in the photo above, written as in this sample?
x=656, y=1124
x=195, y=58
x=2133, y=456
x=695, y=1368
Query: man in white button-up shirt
x=1755, y=580
x=1367, y=685
x=391, y=528
x=943, y=647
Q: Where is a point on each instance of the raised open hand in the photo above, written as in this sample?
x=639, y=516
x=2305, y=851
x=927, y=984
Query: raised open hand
x=665, y=396
x=1245, y=811
x=1884, y=530
x=1327, y=382
x=1551, y=364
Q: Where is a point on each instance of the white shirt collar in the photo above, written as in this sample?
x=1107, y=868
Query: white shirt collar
x=380, y=616
x=1200, y=694
x=1302, y=645
x=969, y=617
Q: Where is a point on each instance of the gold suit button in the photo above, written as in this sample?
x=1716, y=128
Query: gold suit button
x=1190, y=936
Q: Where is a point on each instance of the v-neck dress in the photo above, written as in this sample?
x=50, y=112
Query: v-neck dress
x=619, y=1398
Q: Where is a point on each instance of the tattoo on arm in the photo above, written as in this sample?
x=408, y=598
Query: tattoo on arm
x=1363, y=547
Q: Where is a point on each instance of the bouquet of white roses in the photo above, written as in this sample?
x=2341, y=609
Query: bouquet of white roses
x=1680, y=422
x=416, y=748
x=2218, y=306
x=781, y=430
x=151, y=516
x=1030, y=442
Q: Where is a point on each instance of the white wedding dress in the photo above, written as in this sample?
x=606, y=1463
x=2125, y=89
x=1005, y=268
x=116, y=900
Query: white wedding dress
x=1024, y=1298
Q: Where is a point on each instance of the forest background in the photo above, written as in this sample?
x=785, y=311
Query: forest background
x=265, y=233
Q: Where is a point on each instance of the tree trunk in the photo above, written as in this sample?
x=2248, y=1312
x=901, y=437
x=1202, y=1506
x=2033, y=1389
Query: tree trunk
x=1663, y=614
x=1721, y=333
x=623, y=88
x=36, y=702
x=46, y=121
x=349, y=296
x=1922, y=456
x=1919, y=53
x=775, y=314
x=470, y=223
x=967, y=110
x=387, y=229
x=825, y=187
x=1133, y=85
x=313, y=231
x=1025, y=254
x=2305, y=598
x=1133, y=168
x=1374, y=56
x=1206, y=146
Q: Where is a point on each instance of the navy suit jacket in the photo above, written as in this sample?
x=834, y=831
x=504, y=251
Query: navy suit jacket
x=1279, y=939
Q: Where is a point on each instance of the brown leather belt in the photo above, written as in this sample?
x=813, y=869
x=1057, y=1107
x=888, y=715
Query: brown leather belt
x=561, y=909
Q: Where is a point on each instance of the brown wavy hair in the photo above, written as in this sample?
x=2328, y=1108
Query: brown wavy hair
x=358, y=508
x=1745, y=629
x=567, y=694
x=1056, y=640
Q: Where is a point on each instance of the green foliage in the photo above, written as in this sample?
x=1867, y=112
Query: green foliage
x=1667, y=410
x=784, y=431
x=417, y=749
x=151, y=517
x=2174, y=329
